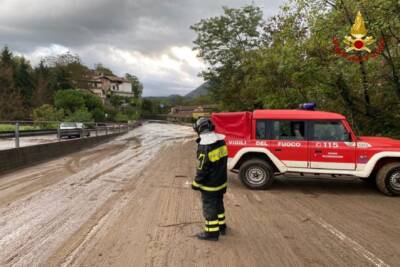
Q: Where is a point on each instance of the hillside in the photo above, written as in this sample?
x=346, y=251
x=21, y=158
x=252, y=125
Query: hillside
x=199, y=91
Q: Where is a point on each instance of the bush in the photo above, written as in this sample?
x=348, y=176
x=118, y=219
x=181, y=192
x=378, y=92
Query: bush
x=69, y=100
x=120, y=117
x=47, y=113
x=81, y=115
x=98, y=115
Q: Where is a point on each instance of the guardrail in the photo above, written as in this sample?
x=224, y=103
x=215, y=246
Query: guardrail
x=17, y=129
x=11, y=134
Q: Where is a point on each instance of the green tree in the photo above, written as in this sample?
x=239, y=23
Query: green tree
x=42, y=93
x=67, y=71
x=147, y=106
x=80, y=115
x=11, y=100
x=120, y=117
x=47, y=113
x=23, y=79
x=98, y=114
x=100, y=69
x=6, y=57
x=137, y=87
x=69, y=100
x=223, y=42
x=294, y=62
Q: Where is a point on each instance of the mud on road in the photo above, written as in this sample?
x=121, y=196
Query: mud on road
x=129, y=203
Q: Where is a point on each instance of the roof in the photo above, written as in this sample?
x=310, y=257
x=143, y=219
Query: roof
x=110, y=78
x=290, y=114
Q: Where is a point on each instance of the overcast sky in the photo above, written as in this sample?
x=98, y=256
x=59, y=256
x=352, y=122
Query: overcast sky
x=148, y=38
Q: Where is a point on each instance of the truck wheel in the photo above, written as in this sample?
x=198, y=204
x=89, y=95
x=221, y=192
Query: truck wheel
x=256, y=174
x=388, y=179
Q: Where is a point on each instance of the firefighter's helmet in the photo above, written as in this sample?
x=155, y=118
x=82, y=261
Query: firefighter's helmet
x=203, y=125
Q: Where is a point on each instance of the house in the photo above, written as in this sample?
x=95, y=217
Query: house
x=189, y=113
x=106, y=85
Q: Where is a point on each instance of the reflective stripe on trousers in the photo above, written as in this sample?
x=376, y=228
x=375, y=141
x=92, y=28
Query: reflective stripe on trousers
x=221, y=219
x=212, y=226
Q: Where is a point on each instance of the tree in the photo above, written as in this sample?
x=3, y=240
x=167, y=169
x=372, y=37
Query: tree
x=11, y=100
x=137, y=87
x=42, y=93
x=120, y=117
x=47, y=113
x=223, y=42
x=100, y=69
x=69, y=100
x=6, y=57
x=23, y=79
x=294, y=62
x=80, y=115
x=147, y=106
x=67, y=71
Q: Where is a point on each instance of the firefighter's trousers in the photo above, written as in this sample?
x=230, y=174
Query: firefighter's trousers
x=213, y=211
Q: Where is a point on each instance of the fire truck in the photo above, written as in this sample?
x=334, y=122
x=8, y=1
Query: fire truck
x=265, y=143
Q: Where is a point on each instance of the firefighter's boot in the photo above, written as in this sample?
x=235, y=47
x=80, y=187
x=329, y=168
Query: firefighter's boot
x=211, y=231
x=209, y=236
x=222, y=229
x=222, y=224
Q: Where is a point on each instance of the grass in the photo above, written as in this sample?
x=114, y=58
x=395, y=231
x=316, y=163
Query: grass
x=11, y=127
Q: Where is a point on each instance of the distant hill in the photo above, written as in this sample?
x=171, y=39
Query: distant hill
x=202, y=90
x=170, y=97
x=199, y=91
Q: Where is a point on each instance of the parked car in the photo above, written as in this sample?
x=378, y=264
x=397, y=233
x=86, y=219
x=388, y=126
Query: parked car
x=73, y=129
x=265, y=143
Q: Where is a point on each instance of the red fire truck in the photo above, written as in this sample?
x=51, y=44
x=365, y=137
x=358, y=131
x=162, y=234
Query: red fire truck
x=265, y=143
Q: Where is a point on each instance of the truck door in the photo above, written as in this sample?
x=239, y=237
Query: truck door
x=288, y=142
x=330, y=146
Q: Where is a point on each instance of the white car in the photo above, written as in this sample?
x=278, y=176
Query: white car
x=73, y=129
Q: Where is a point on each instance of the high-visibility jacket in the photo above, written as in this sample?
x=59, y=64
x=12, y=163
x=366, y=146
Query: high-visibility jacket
x=212, y=155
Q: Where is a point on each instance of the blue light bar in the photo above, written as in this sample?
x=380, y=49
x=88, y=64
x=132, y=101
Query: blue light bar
x=308, y=106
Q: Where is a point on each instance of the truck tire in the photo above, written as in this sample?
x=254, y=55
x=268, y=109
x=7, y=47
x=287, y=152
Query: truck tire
x=388, y=179
x=256, y=174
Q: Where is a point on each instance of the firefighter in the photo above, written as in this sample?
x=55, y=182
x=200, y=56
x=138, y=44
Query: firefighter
x=211, y=178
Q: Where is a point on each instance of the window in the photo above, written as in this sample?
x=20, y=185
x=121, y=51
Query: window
x=288, y=130
x=261, y=130
x=329, y=131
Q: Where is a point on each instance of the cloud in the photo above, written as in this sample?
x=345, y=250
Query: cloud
x=150, y=38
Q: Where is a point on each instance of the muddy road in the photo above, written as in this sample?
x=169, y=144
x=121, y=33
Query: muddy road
x=129, y=203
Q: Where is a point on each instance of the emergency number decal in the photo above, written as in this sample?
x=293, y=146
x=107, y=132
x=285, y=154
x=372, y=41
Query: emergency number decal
x=327, y=145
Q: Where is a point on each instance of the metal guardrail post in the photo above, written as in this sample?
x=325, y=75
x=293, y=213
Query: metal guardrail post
x=106, y=129
x=58, y=132
x=97, y=133
x=17, y=134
